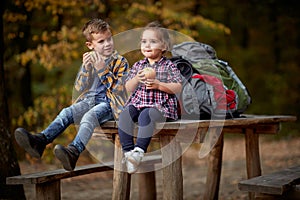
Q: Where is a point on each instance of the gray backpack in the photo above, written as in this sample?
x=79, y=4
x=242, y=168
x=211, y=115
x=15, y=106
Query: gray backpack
x=198, y=97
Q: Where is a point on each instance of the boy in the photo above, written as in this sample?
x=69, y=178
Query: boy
x=100, y=80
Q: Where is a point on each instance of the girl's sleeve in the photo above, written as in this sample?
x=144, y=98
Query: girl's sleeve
x=174, y=74
x=133, y=71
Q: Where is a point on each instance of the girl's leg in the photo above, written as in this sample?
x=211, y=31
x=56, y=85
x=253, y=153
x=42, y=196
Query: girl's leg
x=147, y=119
x=127, y=119
x=98, y=115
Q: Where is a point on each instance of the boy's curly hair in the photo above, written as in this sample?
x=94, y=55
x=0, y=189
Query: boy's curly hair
x=94, y=26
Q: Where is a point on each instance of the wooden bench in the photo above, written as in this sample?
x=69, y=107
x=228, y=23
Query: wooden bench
x=48, y=183
x=194, y=131
x=170, y=135
x=278, y=185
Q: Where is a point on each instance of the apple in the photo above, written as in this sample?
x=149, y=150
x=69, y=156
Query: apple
x=149, y=73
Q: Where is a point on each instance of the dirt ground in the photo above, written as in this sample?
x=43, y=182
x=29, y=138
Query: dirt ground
x=275, y=155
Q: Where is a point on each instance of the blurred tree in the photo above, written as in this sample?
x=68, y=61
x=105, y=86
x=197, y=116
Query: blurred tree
x=263, y=49
x=8, y=160
x=44, y=46
x=57, y=44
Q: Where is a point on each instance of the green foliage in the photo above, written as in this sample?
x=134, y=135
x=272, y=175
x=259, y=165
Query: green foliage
x=53, y=55
x=260, y=40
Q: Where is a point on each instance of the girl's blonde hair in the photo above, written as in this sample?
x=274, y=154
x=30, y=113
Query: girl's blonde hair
x=162, y=34
x=94, y=26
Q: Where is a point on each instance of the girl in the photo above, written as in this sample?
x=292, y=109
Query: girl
x=151, y=100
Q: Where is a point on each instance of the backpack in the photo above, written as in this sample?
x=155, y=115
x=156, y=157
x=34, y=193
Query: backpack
x=214, y=90
x=185, y=68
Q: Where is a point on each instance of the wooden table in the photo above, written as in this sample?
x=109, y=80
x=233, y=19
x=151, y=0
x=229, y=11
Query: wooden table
x=173, y=133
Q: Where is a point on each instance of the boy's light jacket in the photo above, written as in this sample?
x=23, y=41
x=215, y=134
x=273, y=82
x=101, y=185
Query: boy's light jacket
x=112, y=77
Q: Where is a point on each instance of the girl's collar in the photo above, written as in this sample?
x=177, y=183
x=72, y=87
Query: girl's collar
x=162, y=59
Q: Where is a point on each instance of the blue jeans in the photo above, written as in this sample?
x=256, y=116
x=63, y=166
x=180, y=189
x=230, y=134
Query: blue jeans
x=88, y=114
x=146, y=118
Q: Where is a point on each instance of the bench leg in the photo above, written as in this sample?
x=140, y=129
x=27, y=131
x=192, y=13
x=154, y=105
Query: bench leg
x=49, y=191
x=252, y=156
x=121, y=179
x=172, y=172
x=147, y=186
x=214, y=168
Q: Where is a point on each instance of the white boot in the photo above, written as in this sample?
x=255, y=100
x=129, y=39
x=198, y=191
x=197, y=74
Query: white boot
x=133, y=159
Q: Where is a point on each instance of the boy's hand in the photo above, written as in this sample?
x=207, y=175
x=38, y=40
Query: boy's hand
x=95, y=59
x=86, y=60
x=98, y=60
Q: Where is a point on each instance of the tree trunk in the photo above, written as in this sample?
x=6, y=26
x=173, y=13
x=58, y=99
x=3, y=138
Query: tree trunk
x=8, y=160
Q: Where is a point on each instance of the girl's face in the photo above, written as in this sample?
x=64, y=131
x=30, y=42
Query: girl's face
x=151, y=46
x=102, y=43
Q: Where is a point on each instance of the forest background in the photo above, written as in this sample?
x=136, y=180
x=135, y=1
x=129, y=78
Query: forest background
x=43, y=48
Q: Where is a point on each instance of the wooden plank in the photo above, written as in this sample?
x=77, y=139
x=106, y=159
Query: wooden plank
x=49, y=176
x=121, y=179
x=269, y=128
x=252, y=156
x=196, y=135
x=214, y=169
x=263, y=124
x=276, y=183
x=292, y=194
x=172, y=171
x=247, y=120
x=48, y=191
x=147, y=185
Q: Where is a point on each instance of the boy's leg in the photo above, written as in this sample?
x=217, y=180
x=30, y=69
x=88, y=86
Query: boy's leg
x=67, y=116
x=93, y=118
x=35, y=144
x=98, y=115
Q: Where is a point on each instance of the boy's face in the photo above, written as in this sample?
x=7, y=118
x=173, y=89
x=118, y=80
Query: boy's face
x=151, y=46
x=102, y=43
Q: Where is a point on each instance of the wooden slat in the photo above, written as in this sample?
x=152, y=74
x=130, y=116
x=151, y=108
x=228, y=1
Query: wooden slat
x=241, y=122
x=172, y=171
x=48, y=190
x=49, y=176
x=244, y=122
x=121, y=179
x=276, y=183
x=214, y=170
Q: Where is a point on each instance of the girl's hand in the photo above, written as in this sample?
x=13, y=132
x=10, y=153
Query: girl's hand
x=152, y=84
x=140, y=76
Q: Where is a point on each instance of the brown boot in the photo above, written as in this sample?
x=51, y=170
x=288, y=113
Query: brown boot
x=68, y=156
x=34, y=144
